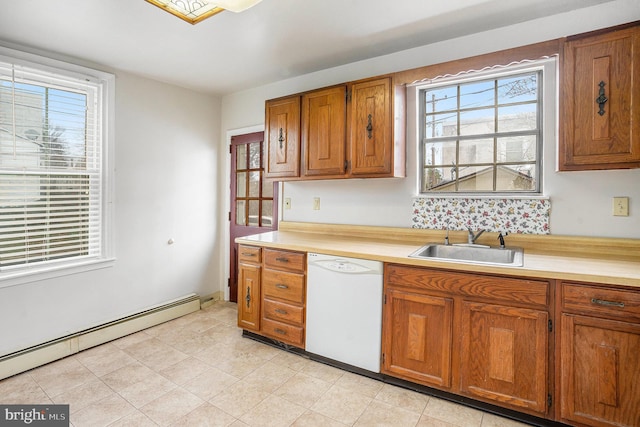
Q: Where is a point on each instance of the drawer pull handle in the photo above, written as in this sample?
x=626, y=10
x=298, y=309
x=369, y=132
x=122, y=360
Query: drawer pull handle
x=282, y=259
x=280, y=331
x=281, y=286
x=607, y=303
x=281, y=311
x=248, y=254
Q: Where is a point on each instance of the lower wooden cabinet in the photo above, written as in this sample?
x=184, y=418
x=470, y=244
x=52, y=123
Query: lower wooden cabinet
x=600, y=356
x=249, y=275
x=480, y=336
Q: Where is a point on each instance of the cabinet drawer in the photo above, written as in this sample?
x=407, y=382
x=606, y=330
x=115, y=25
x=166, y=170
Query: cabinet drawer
x=284, y=260
x=251, y=254
x=586, y=299
x=494, y=288
x=281, y=285
x=282, y=332
x=282, y=312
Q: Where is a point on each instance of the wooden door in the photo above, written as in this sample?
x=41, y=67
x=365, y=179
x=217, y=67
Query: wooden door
x=283, y=137
x=600, y=98
x=324, y=115
x=254, y=200
x=600, y=371
x=371, y=135
x=417, y=334
x=504, y=355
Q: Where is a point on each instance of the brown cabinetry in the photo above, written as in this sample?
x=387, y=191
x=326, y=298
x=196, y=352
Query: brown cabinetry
x=499, y=351
x=283, y=296
x=600, y=101
x=350, y=130
x=282, y=137
x=249, y=273
x=599, y=355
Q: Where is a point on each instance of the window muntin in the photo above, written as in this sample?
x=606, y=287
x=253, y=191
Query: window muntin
x=51, y=168
x=482, y=135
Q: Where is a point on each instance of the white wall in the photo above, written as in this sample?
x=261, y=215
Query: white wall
x=167, y=148
x=581, y=201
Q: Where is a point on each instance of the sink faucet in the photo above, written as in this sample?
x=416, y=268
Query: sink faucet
x=471, y=238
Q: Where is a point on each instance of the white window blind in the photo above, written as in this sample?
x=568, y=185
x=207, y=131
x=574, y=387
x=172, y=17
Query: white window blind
x=50, y=167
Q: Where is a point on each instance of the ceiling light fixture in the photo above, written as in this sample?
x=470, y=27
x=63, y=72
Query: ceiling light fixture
x=194, y=11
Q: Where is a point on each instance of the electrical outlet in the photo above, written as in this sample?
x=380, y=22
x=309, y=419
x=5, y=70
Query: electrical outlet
x=621, y=206
x=316, y=203
x=287, y=203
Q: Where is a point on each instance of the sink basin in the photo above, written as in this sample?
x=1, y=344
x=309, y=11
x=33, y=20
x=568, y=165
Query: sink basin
x=473, y=254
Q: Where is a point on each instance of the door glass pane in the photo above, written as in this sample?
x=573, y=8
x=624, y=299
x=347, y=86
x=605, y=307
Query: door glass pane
x=267, y=188
x=254, y=155
x=254, y=212
x=240, y=213
x=241, y=184
x=254, y=184
x=241, y=156
x=267, y=213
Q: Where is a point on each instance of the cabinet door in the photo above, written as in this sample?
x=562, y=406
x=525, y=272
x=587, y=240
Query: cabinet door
x=600, y=371
x=249, y=296
x=504, y=355
x=283, y=137
x=323, y=132
x=371, y=140
x=417, y=337
x=600, y=101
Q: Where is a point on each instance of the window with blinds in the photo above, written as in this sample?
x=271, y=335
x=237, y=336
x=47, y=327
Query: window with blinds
x=50, y=167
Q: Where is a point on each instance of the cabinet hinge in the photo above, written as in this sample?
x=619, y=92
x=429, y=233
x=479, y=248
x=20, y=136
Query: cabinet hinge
x=347, y=96
x=549, y=400
x=383, y=358
x=385, y=298
x=550, y=325
x=346, y=165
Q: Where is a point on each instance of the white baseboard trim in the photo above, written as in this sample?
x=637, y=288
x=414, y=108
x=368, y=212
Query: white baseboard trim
x=42, y=354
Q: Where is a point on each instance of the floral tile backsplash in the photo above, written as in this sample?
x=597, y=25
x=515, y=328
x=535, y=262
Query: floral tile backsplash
x=522, y=215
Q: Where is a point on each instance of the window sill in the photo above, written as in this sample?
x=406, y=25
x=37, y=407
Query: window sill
x=23, y=276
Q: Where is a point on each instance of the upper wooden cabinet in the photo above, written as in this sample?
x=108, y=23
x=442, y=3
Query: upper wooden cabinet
x=350, y=130
x=600, y=101
x=283, y=137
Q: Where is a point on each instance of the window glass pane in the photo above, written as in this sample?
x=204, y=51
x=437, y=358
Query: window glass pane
x=254, y=184
x=241, y=184
x=477, y=122
x=517, y=149
x=439, y=125
x=523, y=88
x=441, y=99
x=476, y=178
x=477, y=94
x=440, y=153
x=254, y=155
x=254, y=212
x=267, y=188
x=517, y=117
x=240, y=212
x=439, y=179
x=241, y=157
x=516, y=178
x=267, y=213
x=476, y=151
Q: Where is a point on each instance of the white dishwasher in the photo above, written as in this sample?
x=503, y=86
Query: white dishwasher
x=344, y=310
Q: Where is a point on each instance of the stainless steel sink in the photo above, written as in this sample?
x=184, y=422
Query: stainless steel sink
x=473, y=254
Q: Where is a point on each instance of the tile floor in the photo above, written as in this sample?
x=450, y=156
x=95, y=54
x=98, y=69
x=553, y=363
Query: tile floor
x=198, y=371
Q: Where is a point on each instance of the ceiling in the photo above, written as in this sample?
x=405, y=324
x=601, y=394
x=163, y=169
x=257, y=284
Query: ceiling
x=274, y=40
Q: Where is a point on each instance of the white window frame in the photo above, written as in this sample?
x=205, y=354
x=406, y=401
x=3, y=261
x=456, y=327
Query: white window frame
x=547, y=119
x=105, y=257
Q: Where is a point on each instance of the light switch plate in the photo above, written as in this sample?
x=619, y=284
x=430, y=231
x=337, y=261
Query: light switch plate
x=621, y=206
x=316, y=203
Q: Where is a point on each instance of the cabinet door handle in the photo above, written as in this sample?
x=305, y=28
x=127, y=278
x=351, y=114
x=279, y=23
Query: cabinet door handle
x=282, y=286
x=281, y=138
x=369, y=127
x=601, y=99
x=280, y=331
x=282, y=259
x=248, y=297
x=280, y=311
x=607, y=303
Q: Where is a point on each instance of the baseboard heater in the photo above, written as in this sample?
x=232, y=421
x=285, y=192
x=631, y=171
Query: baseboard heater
x=41, y=354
